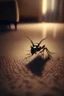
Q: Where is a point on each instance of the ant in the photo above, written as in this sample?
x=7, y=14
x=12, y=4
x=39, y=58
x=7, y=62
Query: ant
x=37, y=48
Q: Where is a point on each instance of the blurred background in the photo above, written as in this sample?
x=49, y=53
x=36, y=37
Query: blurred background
x=42, y=10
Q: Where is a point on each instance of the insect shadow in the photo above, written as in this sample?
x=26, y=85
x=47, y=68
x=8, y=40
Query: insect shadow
x=36, y=66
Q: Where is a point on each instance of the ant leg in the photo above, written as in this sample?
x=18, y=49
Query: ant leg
x=42, y=49
x=42, y=53
x=28, y=56
x=48, y=52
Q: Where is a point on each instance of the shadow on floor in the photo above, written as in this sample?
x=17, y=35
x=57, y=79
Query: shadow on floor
x=4, y=92
x=59, y=91
x=37, y=65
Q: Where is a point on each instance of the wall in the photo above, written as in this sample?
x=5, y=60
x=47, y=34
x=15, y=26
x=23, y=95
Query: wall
x=28, y=8
x=61, y=11
x=33, y=9
x=5, y=0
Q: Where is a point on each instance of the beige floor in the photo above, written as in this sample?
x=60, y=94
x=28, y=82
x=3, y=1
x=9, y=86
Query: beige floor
x=14, y=43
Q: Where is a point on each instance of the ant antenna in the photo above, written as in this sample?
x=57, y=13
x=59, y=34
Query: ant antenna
x=31, y=41
x=41, y=41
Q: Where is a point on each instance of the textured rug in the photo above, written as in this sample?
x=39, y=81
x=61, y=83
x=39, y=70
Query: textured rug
x=34, y=77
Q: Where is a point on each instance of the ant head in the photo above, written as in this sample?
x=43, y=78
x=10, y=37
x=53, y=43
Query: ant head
x=33, y=46
x=36, y=45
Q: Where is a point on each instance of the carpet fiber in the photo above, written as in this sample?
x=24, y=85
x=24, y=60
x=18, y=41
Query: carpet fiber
x=37, y=77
